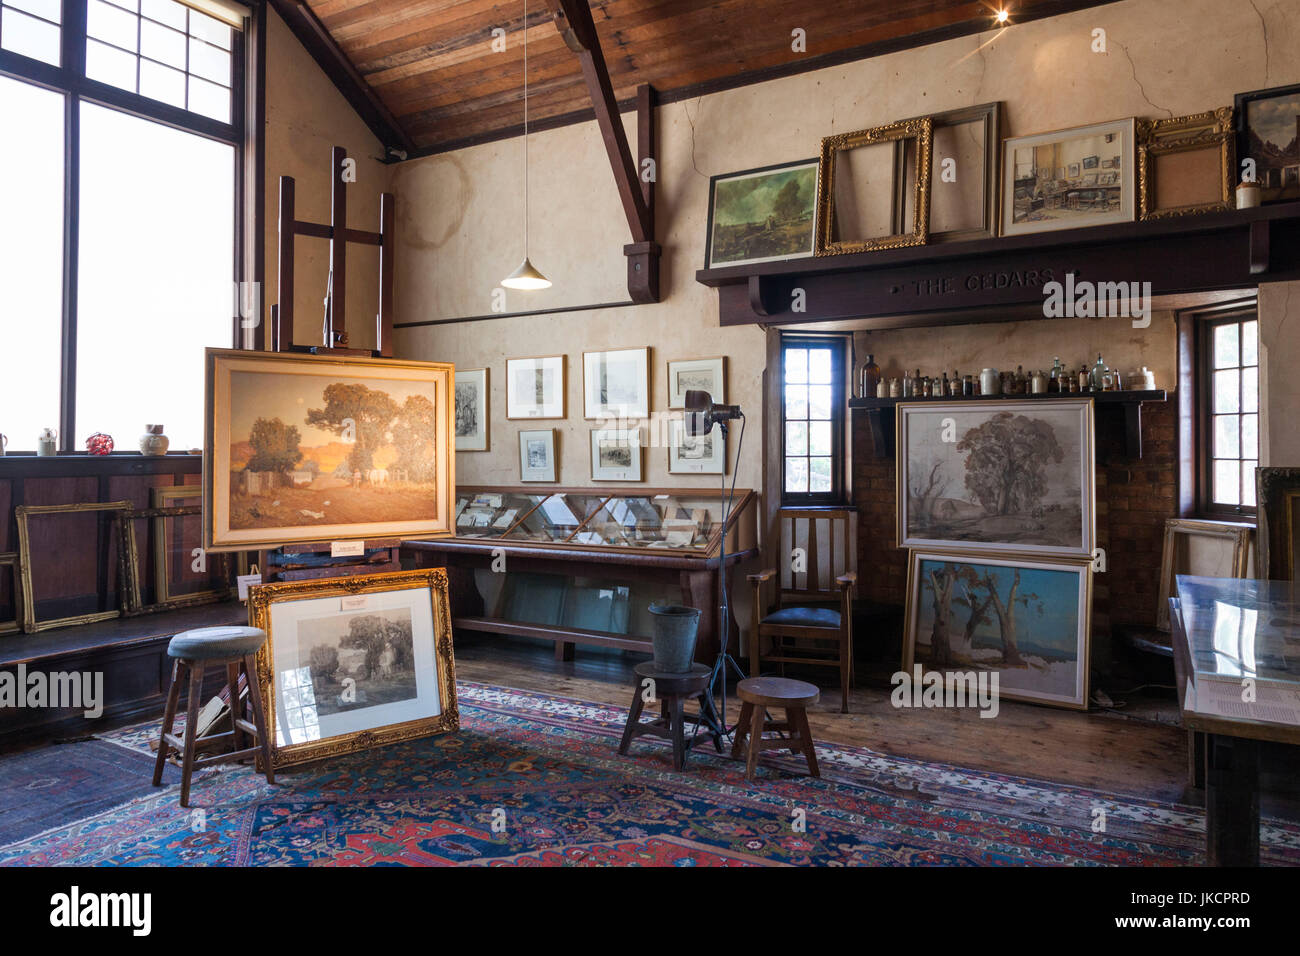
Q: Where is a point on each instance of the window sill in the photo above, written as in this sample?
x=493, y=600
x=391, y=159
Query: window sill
x=31, y=465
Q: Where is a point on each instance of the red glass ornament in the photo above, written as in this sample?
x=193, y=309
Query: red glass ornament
x=99, y=444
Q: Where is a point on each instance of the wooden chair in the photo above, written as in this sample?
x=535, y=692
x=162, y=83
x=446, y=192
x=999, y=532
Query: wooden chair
x=814, y=605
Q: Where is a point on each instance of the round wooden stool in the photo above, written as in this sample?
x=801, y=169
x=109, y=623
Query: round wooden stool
x=672, y=689
x=192, y=651
x=760, y=693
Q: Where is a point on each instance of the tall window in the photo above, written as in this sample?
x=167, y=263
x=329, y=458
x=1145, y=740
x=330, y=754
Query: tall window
x=813, y=401
x=125, y=128
x=1229, y=395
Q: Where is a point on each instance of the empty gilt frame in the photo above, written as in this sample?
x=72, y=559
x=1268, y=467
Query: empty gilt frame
x=921, y=130
x=22, y=513
x=161, y=499
x=1235, y=535
x=1211, y=130
x=10, y=559
x=134, y=602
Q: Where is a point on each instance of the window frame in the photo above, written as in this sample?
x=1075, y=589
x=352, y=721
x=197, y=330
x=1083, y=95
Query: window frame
x=243, y=133
x=1203, y=365
x=840, y=350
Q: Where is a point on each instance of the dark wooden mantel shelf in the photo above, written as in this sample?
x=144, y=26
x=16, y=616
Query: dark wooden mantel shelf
x=941, y=284
x=881, y=415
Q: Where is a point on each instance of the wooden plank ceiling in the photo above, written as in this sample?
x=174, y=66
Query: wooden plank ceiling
x=431, y=64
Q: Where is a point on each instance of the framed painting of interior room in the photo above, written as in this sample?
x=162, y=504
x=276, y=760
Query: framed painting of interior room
x=762, y=215
x=1069, y=178
x=537, y=460
x=472, y=409
x=535, y=387
x=304, y=448
x=1186, y=165
x=696, y=454
x=1211, y=549
x=11, y=589
x=996, y=476
x=616, y=384
x=1277, y=492
x=616, y=454
x=1268, y=133
x=708, y=374
x=859, y=186
x=1026, y=619
x=962, y=140
x=353, y=663
x=76, y=541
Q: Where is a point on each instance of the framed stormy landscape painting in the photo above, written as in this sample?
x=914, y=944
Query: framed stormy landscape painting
x=1027, y=619
x=305, y=448
x=997, y=476
x=761, y=215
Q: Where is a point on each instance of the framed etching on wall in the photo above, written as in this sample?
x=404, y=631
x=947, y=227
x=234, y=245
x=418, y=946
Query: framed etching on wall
x=308, y=448
x=696, y=454
x=997, y=476
x=472, y=409
x=537, y=460
x=535, y=387
x=708, y=375
x=616, y=454
x=616, y=384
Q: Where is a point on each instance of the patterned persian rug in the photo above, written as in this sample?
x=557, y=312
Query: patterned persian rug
x=535, y=780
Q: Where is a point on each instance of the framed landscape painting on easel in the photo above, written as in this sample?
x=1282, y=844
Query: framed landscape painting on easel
x=304, y=448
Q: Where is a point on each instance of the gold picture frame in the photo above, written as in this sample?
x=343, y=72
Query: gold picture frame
x=161, y=501
x=391, y=417
x=1210, y=132
x=130, y=550
x=351, y=594
x=1235, y=534
x=9, y=559
x=920, y=129
x=23, y=514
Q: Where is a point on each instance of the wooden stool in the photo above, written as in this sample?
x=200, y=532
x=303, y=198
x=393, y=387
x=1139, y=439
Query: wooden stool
x=672, y=690
x=191, y=652
x=793, y=696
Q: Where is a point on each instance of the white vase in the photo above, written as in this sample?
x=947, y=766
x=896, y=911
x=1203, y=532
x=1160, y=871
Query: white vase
x=153, y=443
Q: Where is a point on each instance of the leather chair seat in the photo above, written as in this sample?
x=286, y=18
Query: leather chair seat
x=804, y=617
x=216, y=643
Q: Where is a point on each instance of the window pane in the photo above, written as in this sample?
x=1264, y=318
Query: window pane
x=796, y=365
x=1227, y=391
x=45, y=9
x=820, y=475
x=819, y=366
x=819, y=401
x=20, y=33
x=1250, y=436
x=162, y=83
x=1225, y=345
x=110, y=66
x=160, y=43
x=164, y=11
x=155, y=195
x=31, y=261
x=1250, y=343
x=206, y=28
x=796, y=401
x=819, y=438
x=1248, y=482
x=126, y=4
x=1227, y=475
x=111, y=24
x=1227, y=437
x=209, y=99
x=796, y=438
x=796, y=474
x=1250, y=389
x=209, y=62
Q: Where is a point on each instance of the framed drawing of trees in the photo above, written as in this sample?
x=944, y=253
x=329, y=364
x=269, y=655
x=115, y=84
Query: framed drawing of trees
x=320, y=448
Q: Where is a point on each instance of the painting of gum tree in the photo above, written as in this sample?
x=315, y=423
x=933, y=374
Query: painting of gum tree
x=1025, y=620
x=999, y=475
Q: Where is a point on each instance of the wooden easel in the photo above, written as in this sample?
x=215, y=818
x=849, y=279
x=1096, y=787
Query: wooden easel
x=334, y=328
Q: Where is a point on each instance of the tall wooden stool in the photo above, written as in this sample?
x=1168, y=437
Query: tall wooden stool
x=672, y=689
x=793, y=696
x=191, y=652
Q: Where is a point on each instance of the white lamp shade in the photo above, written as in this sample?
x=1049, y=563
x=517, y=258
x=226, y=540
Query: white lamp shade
x=526, y=277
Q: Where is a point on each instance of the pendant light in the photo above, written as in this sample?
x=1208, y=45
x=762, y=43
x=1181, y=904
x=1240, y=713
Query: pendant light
x=526, y=276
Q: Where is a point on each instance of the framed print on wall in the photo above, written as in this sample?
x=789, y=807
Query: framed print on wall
x=307, y=448
x=762, y=215
x=708, y=375
x=1027, y=619
x=535, y=387
x=537, y=455
x=1268, y=131
x=616, y=454
x=997, y=476
x=1086, y=196
x=472, y=409
x=696, y=454
x=616, y=384
x=353, y=663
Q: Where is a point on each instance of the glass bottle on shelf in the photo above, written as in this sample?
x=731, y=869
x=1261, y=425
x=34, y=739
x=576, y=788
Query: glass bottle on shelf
x=967, y=385
x=870, y=377
x=1054, y=376
x=1098, y=375
x=945, y=385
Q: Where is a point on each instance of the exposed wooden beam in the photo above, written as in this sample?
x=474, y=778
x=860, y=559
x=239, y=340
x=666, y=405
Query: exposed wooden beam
x=311, y=33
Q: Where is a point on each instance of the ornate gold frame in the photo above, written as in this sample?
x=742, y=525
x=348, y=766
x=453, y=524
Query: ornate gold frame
x=10, y=559
x=130, y=550
x=921, y=130
x=1199, y=131
x=260, y=599
x=21, y=514
x=1083, y=565
x=160, y=499
x=1238, y=534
